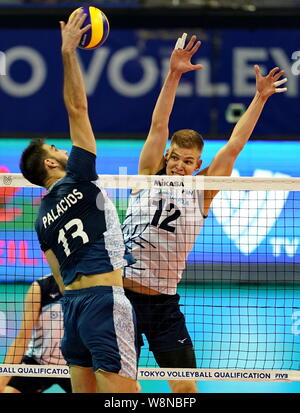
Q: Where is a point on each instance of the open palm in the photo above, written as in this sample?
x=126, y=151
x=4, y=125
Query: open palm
x=181, y=58
x=268, y=85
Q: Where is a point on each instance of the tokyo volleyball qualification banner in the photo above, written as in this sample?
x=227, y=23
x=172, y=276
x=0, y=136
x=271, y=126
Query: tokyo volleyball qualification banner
x=124, y=77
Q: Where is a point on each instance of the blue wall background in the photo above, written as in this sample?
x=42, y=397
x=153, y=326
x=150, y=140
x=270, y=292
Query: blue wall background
x=124, y=76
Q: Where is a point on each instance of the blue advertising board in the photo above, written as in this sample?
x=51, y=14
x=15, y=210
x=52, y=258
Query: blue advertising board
x=123, y=79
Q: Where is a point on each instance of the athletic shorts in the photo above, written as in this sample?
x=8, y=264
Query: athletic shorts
x=100, y=330
x=37, y=384
x=159, y=318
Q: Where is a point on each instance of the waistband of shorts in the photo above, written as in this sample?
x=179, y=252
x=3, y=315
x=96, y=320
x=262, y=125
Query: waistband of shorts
x=98, y=289
x=151, y=298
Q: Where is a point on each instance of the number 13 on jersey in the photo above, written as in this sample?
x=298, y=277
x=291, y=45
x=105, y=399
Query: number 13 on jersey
x=77, y=232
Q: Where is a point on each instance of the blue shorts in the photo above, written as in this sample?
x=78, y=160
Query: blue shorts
x=159, y=318
x=100, y=330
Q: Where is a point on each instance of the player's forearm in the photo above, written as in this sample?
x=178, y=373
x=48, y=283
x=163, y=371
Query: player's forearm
x=74, y=88
x=154, y=147
x=3, y=382
x=16, y=351
x=246, y=124
x=166, y=99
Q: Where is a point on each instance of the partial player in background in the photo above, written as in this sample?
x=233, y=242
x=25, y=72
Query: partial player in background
x=162, y=225
x=38, y=340
x=80, y=233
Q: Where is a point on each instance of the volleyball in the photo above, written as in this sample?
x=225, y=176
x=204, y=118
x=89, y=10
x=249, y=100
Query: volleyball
x=99, y=30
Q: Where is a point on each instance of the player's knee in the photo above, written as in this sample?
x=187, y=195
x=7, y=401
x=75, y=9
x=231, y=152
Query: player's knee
x=179, y=358
x=114, y=383
x=138, y=387
x=185, y=386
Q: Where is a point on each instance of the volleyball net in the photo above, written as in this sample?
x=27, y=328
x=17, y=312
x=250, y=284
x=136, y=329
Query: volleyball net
x=240, y=286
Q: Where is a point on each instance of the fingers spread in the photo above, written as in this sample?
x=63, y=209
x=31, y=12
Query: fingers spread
x=183, y=39
x=177, y=43
x=180, y=42
x=273, y=71
x=198, y=66
x=280, y=90
x=191, y=47
x=280, y=82
x=78, y=18
x=190, y=44
x=278, y=75
x=257, y=69
x=196, y=47
x=86, y=28
x=81, y=20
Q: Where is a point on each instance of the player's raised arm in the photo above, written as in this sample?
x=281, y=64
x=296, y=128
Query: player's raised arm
x=180, y=62
x=266, y=86
x=74, y=90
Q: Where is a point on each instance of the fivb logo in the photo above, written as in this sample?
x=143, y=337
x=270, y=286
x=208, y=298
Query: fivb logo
x=2, y=64
x=247, y=217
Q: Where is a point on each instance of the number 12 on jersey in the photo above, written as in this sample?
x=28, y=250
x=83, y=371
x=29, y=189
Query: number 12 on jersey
x=166, y=221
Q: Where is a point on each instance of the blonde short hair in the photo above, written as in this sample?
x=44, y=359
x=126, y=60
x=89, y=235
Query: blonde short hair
x=187, y=138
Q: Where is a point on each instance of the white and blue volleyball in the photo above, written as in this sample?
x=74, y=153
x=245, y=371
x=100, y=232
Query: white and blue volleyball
x=99, y=30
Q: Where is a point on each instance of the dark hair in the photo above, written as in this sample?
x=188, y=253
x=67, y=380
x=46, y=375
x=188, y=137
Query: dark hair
x=32, y=162
x=188, y=138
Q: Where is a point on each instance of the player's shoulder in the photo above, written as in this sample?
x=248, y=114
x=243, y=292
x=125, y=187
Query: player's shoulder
x=81, y=164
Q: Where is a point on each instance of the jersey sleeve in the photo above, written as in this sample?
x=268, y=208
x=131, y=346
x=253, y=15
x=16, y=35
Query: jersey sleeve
x=82, y=165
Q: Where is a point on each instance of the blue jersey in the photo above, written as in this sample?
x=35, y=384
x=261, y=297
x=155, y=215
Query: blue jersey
x=79, y=223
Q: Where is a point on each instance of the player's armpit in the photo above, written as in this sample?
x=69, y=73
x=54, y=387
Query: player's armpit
x=156, y=167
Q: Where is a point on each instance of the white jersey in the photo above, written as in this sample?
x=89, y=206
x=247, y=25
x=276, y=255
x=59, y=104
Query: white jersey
x=45, y=341
x=160, y=229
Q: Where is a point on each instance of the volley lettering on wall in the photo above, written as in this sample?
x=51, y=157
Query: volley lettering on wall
x=130, y=77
